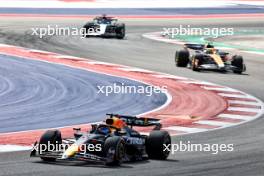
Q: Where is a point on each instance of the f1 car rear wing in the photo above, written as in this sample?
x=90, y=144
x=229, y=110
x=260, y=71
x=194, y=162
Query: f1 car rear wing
x=195, y=46
x=104, y=17
x=138, y=121
x=200, y=47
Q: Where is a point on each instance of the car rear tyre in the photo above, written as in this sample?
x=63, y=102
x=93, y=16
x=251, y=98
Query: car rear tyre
x=50, y=137
x=87, y=27
x=238, y=62
x=155, y=145
x=114, y=149
x=121, y=31
x=182, y=58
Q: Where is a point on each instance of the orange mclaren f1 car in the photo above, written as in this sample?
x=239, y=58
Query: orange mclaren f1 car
x=206, y=57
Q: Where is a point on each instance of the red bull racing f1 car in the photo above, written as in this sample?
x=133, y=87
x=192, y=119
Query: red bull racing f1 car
x=111, y=142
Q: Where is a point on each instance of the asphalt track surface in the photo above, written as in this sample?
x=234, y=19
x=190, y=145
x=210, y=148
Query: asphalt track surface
x=247, y=159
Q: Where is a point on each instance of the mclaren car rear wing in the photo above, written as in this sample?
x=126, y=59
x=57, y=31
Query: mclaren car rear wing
x=194, y=46
x=138, y=121
x=198, y=47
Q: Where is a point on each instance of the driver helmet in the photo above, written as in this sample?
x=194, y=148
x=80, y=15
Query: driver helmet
x=209, y=45
x=104, y=17
x=116, y=122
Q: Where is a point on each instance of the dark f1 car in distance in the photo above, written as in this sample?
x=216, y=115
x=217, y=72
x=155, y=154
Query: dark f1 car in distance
x=104, y=26
x=111, y=143
x=206, y=57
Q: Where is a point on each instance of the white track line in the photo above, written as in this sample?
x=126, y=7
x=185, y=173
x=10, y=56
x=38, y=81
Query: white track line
x=186, y=129
x=243, y=102
x=129, y=69
x=243, y=109
x=39, y=51
x=4, y=45
x=121, y=4
x=198, y=82
x=235, y=116
x=67, y=57
x=220, y=89
x=233, y=95
x=99, y=63
x=10, y=148
x=214, y=123
x=170, y=76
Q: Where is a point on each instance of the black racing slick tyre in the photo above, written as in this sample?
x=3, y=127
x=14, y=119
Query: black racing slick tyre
x=50, y=137
x=121, y=31
x=182, y=58
x=114, y=149
x=158, y=145
x=87, y=27
x=238, y=63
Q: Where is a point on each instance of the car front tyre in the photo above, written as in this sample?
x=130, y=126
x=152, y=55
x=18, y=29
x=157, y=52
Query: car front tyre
x=182, y=58
x=114, y=149
x=52, y=137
